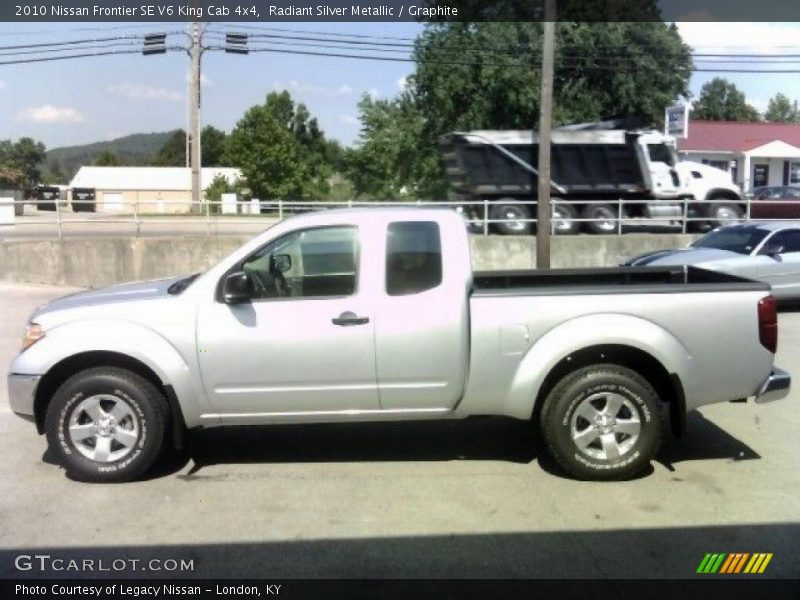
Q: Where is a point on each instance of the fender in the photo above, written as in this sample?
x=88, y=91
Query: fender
x=721, y=193
x=584, y=332
x=130, y=339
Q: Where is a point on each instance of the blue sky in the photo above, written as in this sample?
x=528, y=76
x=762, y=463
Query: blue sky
x=86, y=100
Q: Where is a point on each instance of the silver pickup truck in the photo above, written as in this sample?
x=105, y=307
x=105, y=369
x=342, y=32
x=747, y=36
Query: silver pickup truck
x=376, y=315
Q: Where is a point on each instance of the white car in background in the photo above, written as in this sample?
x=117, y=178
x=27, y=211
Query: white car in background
x=768, y=252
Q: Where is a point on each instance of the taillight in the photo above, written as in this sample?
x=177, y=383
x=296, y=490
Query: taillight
x=768, y=323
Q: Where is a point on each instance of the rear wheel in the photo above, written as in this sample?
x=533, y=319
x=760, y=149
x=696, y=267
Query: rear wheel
x=603, y=422
x=511, y=218
x=564, y=222
x=603, y=218
x=106, y=424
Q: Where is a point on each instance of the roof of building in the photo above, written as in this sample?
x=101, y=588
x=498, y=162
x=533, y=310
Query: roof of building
x=159, y=179
x=734, y=136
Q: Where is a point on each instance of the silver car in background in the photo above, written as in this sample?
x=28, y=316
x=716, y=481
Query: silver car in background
x=768, y=252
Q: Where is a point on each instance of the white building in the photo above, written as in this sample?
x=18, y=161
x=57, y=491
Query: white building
x=149, y=189
x=755, y=154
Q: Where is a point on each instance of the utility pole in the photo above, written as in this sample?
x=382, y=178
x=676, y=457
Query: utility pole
x=187, y=150
x=545, y=126
x=195, y=51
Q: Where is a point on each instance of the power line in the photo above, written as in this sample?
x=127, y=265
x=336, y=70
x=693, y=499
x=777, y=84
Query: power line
x=527, y=66
x=71, y=42
x=74, y=49
x=85, y=55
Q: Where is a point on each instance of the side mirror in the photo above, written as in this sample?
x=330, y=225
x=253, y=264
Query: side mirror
x=236, y=288
x=772, y=250
x=280, y=263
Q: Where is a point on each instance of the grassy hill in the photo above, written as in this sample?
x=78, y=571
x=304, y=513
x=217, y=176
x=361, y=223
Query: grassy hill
x=136, y=149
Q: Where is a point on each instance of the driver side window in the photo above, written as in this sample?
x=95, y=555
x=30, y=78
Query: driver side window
x=788, y=240
x=310, y=263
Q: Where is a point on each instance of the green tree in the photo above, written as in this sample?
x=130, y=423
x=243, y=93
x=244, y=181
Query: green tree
x=386, y=164
x=22, y=159
x=485, y=76
x=218, y=186
x=212, y=148
x=721, y=100
x=54, y=173
x=781, y=110
x=107, y=159
x=281, y=150
x=173, y=152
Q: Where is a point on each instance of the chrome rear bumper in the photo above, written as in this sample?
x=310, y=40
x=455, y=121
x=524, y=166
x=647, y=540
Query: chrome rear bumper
x=775, y=387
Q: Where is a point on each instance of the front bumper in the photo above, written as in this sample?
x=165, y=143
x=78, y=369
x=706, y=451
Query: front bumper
x=21, y=393
x=775, y=387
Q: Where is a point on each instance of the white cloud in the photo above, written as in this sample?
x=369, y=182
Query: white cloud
x=2, y=85
x=373, y=92
x=349, y=119
x=760, y=104
x=402, y=83
x=143, y=92
x=50, y=114
x=313, y=89
x=757, y=38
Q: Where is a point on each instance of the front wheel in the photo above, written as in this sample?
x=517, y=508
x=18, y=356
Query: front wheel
x=724, y=214
x=603, y=422
x=106, y=424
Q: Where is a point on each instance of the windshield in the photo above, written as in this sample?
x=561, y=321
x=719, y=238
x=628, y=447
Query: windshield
x=740, y=239
x=662, y=153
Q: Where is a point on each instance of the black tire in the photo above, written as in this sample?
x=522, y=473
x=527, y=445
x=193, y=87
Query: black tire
x=562, y=417
x=604, y=218
x=564, y=222
x=143, y=425
x=724, y=213
x=511, y=218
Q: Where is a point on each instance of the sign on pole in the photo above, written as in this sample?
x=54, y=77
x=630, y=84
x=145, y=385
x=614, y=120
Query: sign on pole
x=676, y=121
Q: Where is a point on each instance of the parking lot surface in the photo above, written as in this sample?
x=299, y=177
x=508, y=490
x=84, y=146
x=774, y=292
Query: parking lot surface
x=449, y=499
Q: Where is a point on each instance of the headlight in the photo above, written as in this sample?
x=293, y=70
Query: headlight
x=33, y=333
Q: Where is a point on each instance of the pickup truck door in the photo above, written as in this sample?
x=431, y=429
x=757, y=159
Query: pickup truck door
x=422, y=327
x=304, y=344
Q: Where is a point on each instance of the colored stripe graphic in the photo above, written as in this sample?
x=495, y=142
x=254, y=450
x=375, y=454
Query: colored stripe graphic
x=734, y=563
x=711, y=563
x=729, y=562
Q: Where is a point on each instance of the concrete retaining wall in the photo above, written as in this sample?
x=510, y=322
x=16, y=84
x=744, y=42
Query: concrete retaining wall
x=99, y=262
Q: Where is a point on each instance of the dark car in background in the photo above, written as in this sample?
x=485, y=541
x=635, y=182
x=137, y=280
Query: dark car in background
x=775, y=202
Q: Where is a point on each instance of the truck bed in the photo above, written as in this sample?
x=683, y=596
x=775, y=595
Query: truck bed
x=610, y=280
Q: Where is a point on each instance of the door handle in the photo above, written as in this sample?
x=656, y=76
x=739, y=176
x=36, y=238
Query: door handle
x=348, y=318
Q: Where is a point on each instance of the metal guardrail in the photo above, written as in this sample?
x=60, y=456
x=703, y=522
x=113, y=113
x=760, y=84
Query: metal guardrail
x=216, y=213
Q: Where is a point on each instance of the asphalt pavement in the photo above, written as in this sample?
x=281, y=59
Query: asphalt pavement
x=449, y=499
